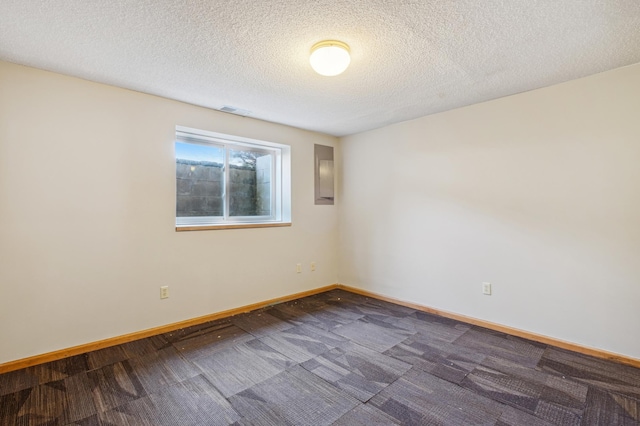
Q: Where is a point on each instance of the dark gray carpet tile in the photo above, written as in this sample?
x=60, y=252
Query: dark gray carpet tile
x=566, y=392
x=327, y=317
x=409, y=412
x=438, y=343
x=293, y=397
x=420, y=317
x=301, y=318
x=195, y=330
x=606, y=408
x=162, y=368
x=193, y=402
x=419, y=398
x=28, y=407
x=289, y=312
x=444, y=360
x=432, y=330
x=14, y=381
x=531, y=396
x=10, y=406
x=140, y=412
x=513, y=417
x=106, y=356
x=385, y=321
x=502, y=346
x=556, y=414
x=320, y=318
x=366, y=415
x=114, y=385
x=352, y=307
x=378, y=307
x=528, y=395
x=237, y=368
x=59, y=369
x=59, y=402
x=89, y=421
x=263, y=418
x=80, y=403
x=303, y=342
x=352, y=303
x=341, y=309
x=336, y=296
x=359, y=371
x=308, y=304
x=547, y=387
x=260, y=323
x=446, y=370
x=301, y=307
x=373, y=336
x=342, y=296
x=597, y=372
x=146, y=346
x=217, y=338
x=352, y=349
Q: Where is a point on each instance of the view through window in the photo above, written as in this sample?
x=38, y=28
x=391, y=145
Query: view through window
x=221, y=179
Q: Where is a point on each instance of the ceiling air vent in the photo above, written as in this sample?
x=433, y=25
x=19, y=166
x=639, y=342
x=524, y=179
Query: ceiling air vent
x=234, y=110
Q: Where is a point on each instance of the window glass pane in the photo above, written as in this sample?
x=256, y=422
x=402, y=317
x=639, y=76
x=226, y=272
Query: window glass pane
x=199, y=180
x=250, y=182
x=226, y=180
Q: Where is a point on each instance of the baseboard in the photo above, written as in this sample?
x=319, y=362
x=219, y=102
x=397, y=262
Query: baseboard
x=598, y=353
x=118, y=340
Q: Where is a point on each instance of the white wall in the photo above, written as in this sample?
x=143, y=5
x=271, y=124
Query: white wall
x=87, y=213
x=537, y=193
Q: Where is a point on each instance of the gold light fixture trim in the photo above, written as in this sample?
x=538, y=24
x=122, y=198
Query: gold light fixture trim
x=330, y=57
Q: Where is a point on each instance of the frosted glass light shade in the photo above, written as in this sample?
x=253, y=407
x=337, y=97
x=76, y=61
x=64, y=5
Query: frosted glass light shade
x=330, y=57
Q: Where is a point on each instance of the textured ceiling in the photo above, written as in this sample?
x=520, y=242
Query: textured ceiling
x=409, y=58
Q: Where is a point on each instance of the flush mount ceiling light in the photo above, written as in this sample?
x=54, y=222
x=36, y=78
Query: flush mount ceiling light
x=330, y=57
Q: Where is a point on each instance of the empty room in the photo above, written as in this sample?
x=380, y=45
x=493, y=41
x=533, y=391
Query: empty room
x=319, y=213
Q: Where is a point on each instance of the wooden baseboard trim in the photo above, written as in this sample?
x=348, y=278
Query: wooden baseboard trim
x=118, y=340
x=598, y=353
x=88, y=347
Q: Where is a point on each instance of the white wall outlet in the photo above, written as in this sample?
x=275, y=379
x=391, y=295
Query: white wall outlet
x=299, y=268
x=486, y=288
x=164, y=292
x=313, y=266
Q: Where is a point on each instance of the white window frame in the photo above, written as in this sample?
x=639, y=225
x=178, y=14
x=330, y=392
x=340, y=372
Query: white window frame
x=280, y=182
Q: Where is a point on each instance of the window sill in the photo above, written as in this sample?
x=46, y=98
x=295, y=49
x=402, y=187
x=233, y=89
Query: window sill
x=232, y=226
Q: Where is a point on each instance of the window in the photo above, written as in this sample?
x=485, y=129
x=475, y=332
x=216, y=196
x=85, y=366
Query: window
x=226, y=181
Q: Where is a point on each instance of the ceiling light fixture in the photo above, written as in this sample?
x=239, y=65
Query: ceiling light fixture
x=330, y=57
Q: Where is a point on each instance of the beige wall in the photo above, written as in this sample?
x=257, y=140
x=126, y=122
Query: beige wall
x=87, y=210
x=537, y=193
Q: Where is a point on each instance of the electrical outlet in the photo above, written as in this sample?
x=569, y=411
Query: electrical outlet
x=164, y=292
x=486, y=288
x=299, y=268
x=313, y=266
